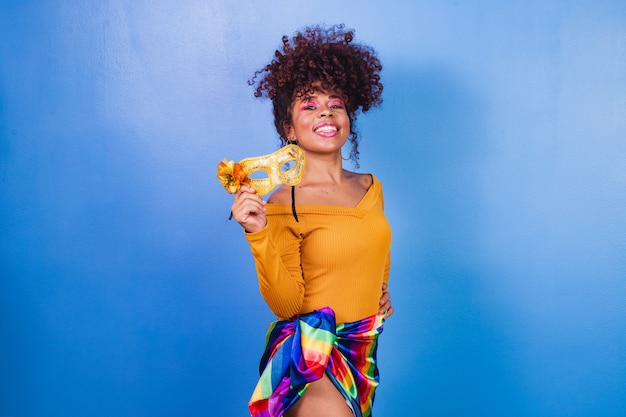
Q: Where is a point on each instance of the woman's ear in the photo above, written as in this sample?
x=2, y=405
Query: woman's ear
x=289, y=131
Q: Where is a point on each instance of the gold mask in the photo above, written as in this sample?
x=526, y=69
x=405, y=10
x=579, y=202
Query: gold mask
x=275, y=165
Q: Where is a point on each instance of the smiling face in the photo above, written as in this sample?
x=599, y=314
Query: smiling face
x=319, y=122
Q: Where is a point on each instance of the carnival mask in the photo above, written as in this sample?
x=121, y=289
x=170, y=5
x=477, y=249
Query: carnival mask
x=285, y=166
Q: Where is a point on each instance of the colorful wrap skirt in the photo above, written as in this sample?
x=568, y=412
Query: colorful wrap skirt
x=298, y=351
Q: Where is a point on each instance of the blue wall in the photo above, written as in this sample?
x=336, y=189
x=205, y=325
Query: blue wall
x=501, y=144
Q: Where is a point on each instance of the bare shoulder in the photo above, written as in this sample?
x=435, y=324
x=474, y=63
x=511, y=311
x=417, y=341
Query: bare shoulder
x=364, y=181
x=282, y=195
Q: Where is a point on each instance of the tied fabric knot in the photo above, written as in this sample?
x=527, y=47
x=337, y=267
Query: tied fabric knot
x=300, y=350
x=312, y=342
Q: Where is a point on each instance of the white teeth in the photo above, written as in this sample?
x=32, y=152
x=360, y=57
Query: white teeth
x=326, y=129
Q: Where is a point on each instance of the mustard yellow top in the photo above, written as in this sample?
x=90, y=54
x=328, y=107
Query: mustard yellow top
x=334, y=256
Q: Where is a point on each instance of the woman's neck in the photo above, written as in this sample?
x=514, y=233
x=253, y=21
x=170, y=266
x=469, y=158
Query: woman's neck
x=324, y=170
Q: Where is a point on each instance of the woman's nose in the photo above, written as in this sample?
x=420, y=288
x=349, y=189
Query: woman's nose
x=327, y=112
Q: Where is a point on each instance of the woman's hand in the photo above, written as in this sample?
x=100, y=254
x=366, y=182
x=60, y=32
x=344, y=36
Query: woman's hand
x=249, y=209
x=385, y=302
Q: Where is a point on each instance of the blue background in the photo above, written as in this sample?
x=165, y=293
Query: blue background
x=125, y=291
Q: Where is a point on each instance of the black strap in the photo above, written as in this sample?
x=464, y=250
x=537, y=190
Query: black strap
x=293, y=202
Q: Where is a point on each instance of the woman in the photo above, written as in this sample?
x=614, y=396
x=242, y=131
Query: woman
x=321, y=248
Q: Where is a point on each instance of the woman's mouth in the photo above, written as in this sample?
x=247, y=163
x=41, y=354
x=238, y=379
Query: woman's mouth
x=326, y=128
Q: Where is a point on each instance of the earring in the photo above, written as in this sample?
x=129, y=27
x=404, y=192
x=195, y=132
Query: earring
x=292, y=141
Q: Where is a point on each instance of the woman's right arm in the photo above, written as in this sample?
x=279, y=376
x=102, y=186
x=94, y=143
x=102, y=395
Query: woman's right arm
x=279, y=272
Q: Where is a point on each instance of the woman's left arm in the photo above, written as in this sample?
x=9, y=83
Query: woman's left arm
x=385, y=302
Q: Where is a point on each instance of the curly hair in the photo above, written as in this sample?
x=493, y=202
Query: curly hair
x=327, y=57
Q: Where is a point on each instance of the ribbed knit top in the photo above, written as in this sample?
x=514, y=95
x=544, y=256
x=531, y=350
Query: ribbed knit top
x=333, y=256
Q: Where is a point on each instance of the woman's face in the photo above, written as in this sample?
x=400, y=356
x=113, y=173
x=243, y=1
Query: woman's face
x=319, y=122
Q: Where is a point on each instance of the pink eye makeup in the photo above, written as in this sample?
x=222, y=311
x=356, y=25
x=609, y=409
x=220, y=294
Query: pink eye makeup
x=307, y=102
x=336, y=102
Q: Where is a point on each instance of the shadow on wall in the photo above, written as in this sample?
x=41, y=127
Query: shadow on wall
x=443, y=338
